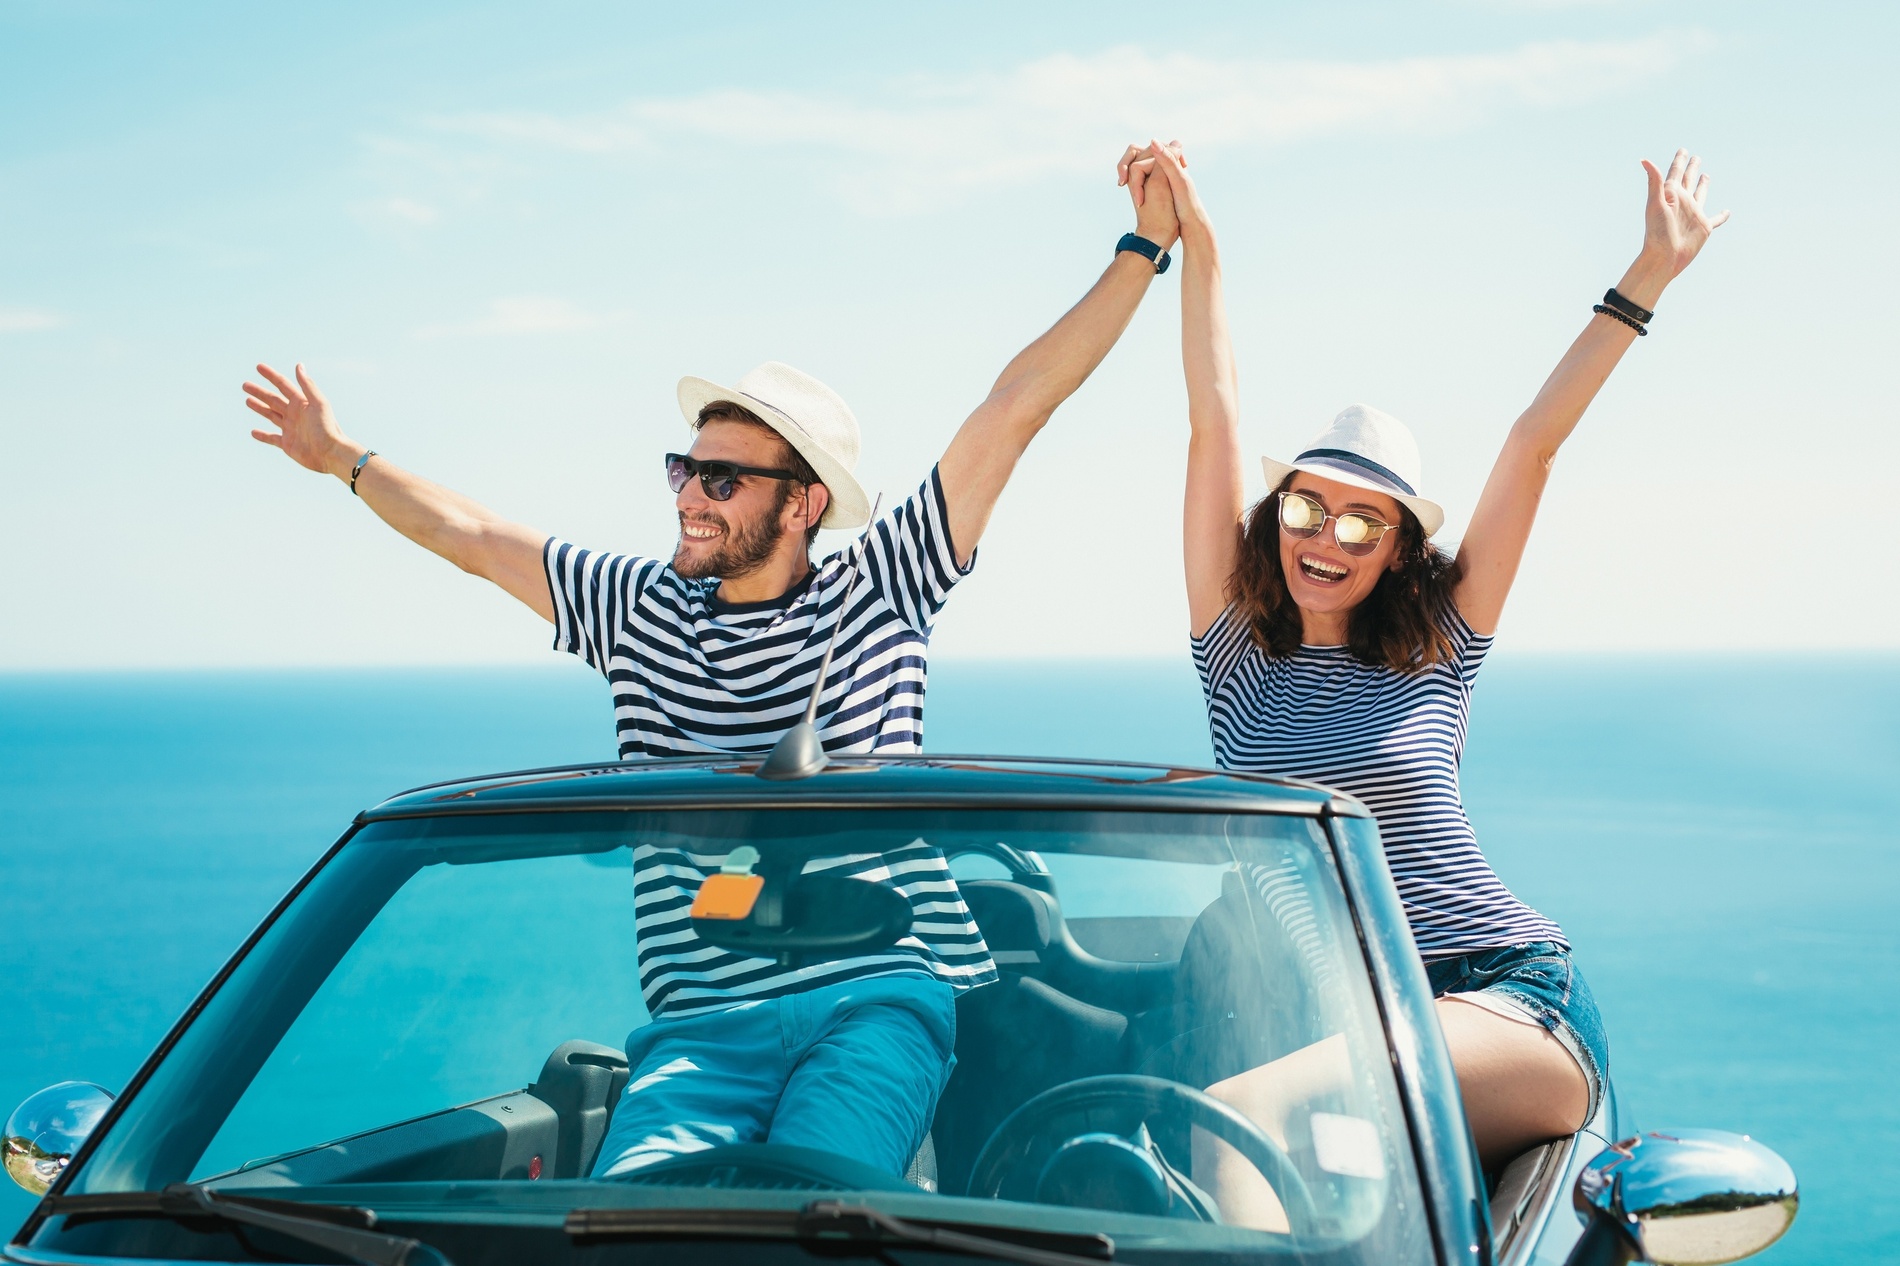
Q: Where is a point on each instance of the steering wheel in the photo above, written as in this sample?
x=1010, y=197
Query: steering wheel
x=1025, y=1135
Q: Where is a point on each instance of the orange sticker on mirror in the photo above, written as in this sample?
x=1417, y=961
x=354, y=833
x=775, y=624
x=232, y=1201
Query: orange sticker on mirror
x=727, y=896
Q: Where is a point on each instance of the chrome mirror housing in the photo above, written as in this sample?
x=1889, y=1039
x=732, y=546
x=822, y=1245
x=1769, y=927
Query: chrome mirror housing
x=1683, y=1198
x=47, y=1128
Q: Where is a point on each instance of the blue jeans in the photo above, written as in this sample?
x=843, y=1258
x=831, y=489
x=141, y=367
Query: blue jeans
x=853, y=1068
x=1543, y=983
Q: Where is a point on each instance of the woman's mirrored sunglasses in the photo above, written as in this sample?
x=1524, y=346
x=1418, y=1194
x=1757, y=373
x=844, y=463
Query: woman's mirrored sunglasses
x=1303, y=517
x=717, y=478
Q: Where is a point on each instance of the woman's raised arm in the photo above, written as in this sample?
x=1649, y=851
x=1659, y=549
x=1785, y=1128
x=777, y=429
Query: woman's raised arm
x=1216, y=491
x=1676, y=225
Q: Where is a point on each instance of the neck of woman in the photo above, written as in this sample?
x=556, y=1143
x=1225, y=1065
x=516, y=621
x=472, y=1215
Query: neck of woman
x=1324, y=628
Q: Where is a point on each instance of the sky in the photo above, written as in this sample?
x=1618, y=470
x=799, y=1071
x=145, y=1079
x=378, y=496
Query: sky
x=497, y=235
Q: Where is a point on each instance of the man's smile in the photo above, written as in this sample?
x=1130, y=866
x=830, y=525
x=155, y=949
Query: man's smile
x=700, y=530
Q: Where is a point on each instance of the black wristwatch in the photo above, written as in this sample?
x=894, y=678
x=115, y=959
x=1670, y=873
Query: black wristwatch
x=1142, y=246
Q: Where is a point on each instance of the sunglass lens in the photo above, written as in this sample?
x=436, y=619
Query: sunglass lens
x=677, y=472
x=717, y=479
x=1357, y=534
x=1299, y=516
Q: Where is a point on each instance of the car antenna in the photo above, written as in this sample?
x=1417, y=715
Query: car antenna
x=799, y=753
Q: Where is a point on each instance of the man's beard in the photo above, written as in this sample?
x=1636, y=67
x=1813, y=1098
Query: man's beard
x=741, y=552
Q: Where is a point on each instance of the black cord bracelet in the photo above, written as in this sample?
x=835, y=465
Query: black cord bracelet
x=358, y=469
x=1642, y=331
x=1627, y=306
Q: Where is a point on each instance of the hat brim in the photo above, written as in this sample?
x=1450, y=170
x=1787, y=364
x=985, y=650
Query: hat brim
x=849, y=507
x=1430, y=515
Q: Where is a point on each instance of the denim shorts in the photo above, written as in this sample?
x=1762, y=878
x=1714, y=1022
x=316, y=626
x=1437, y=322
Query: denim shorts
x=1540, y=982
x=854, y=1068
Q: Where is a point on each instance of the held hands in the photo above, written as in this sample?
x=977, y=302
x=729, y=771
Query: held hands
x=1676, y=223
x=1155, y=172
x=1154, y=200
x=307, y=429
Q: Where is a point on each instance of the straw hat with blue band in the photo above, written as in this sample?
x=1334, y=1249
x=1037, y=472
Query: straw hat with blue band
x=1367, y=449
x=811, y=417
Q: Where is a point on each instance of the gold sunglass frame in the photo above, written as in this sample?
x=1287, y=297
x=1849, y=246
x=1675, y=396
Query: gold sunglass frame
x=1375, y=528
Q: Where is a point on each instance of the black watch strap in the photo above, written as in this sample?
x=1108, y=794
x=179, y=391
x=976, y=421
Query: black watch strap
x=1614, y=298
x=1142, y=246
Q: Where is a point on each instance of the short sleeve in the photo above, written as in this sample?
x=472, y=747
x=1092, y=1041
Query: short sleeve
x=910, y=559
x=1219, y=651
x=592, y=593
x=1468, y=647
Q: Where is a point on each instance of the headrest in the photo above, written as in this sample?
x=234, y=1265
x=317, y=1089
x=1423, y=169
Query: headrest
x=1011, y=916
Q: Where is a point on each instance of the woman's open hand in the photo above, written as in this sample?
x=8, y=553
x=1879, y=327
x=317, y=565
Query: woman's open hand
x=1676, y=222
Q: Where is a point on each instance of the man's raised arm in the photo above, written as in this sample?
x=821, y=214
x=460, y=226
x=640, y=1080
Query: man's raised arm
x=469, y=535
x=986, y=448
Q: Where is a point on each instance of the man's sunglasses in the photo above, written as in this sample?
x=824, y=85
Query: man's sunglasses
x=1302, y=517
x=717, y=478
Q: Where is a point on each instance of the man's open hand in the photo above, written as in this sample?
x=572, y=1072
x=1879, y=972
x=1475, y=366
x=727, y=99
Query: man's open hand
x=306, y=428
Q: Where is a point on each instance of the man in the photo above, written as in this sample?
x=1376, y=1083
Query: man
x=718, y=651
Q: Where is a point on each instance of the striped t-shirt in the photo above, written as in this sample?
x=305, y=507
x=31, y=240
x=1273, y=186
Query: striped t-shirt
x=683, y=975
x=692, y=675
x=1392, y=739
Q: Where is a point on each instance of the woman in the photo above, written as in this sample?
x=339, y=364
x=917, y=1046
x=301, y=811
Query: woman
x=1336, y=643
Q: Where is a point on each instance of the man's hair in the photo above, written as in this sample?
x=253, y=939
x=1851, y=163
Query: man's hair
x=1401, y=624
x=790, y=459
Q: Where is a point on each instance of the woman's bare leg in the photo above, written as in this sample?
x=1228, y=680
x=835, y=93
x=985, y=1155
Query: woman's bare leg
x=1519, y=1085
x=1267, y=1096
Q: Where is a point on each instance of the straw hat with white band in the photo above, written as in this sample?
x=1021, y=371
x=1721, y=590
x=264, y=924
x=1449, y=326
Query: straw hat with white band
x=812, y=417
x=1367, y=449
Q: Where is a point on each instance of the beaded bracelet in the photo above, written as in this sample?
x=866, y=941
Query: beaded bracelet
x=1642, y=331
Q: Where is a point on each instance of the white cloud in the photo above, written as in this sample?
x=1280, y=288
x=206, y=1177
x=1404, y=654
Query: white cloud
x=25, y=320
x=926, y=135
x=528, y=314
x=410, y=210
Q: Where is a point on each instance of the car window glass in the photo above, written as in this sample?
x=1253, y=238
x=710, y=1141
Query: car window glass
x=393, y=1026
x=458, y=990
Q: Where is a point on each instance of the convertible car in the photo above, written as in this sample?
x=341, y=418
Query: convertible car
x=417, y=1055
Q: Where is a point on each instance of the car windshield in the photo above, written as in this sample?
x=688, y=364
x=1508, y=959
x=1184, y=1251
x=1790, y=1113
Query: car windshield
x=1158, y=1027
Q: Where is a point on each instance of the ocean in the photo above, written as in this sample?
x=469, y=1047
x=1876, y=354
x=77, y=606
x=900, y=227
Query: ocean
x=1717, y=835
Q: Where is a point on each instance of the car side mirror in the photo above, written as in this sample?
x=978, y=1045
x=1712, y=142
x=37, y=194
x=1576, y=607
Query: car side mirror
x=47, y=1128
x=1689, y=1196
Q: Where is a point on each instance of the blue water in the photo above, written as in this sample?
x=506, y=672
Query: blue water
x=1717, y=835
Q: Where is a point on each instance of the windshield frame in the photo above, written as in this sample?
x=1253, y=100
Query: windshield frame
x=1444, y=1163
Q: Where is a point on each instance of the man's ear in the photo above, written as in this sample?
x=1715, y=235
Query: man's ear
x=817, y=501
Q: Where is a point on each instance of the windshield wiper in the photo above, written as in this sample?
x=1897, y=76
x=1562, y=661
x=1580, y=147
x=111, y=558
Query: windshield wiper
x=834, y=1220
x=834, y=1223
x=343, y=1229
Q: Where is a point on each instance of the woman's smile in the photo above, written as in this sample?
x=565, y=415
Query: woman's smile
x=1323, y=571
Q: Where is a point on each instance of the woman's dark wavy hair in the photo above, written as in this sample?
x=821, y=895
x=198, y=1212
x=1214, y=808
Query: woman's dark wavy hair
x=1400, y=625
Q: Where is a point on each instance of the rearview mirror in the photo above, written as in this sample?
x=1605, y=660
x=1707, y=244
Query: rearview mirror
x=47, y=1128
x=814, y=917
x=1687, y=1196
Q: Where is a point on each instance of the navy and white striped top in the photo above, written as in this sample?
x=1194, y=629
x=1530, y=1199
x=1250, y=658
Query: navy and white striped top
x=692, y=675
x=1392, y=739
x=683, y=975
